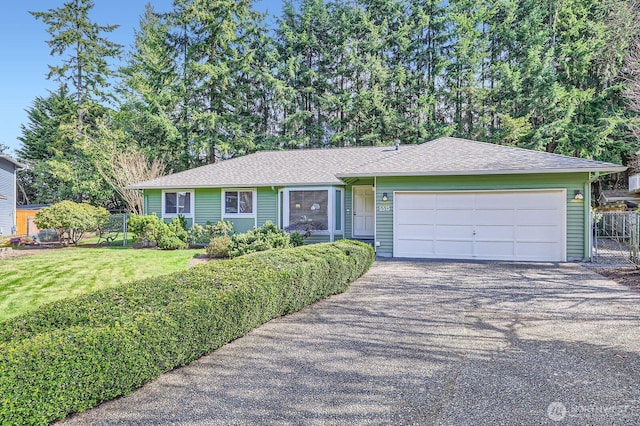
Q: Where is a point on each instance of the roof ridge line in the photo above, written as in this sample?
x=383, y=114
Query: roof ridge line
x=518, y=148
x=377, y=160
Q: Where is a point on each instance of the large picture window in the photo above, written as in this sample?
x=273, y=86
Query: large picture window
x=309, y=209
x=177, y=203
x=238, y=202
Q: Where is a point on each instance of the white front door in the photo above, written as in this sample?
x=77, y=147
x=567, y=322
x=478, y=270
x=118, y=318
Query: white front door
x=363, y=211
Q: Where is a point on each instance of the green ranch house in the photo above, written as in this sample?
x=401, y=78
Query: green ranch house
x=444, y=199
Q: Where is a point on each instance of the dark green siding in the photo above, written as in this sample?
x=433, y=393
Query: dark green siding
x=207, y=205
x=348, y=212
x=153, y=201
x=267, y=205
x=241, y=225
x=338, y=208
x=576, y=220
x=317, y=239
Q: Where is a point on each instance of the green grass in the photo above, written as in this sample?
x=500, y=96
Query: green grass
x=32, y=280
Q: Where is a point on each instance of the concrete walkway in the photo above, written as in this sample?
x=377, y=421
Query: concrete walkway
x=420, y=343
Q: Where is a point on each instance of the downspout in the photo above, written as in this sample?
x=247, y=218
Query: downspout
x=588, y=240
x=375, y=214
x=14, y=224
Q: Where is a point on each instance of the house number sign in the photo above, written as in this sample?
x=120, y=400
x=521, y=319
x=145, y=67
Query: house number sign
x=384, y=208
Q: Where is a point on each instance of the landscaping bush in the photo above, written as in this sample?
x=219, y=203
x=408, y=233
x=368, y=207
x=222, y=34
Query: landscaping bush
x=218, y=247
x=71, y=220
x=296, y=238
x=151, y=230
x=69, y=356
x=202, y=235
x=259, y=239
x=147, y=229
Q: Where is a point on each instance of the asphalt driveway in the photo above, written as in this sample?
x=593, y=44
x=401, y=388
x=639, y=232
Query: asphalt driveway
x=420, y=343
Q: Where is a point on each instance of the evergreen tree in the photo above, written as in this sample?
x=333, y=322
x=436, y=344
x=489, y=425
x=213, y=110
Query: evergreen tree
x=86, y=52
x=151, y=92
x=216, y=60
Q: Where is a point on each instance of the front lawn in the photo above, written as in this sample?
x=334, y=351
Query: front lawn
x=32, y=280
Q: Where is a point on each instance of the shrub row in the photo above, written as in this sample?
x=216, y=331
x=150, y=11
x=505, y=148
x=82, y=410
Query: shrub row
x=69, y=356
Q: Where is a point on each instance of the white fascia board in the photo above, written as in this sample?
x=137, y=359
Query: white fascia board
x=617, y=169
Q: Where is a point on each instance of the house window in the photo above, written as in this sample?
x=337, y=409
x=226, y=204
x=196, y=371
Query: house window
x=238, y=202
x=309, y=209
x=177, y=203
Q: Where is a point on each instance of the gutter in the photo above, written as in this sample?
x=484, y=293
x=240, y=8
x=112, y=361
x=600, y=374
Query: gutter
x=614, y=169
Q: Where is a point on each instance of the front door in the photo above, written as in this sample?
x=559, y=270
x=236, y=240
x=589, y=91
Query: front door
x=363, y=211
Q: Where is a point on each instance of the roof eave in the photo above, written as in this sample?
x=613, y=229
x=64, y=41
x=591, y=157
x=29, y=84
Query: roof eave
x=616, y=169
x=12, y=161
x=237, y=185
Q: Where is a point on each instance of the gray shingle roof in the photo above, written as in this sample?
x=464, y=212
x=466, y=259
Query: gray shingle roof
x=443, y=156
x=454, y=156
x=273, y=168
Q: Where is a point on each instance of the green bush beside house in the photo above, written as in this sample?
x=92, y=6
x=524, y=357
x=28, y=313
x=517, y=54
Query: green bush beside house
x=70, y=356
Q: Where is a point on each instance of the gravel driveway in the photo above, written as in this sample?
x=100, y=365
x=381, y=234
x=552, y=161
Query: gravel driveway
x=420, y=343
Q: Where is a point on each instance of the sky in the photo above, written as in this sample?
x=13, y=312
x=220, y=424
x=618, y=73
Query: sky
x=24, y=54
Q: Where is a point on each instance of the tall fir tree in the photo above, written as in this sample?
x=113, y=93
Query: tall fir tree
x=86, y=52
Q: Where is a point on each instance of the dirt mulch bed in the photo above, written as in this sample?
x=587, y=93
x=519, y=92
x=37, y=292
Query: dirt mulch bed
x=23, y=251
x=626, y=277
x=198, y=259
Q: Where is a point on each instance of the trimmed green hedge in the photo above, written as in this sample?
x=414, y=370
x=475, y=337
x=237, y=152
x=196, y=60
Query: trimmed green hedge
x=69, y=356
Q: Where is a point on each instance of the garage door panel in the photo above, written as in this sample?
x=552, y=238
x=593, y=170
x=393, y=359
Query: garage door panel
x=453, y=249
x=494, y=233
x=445, y=217
x=489, y=201
x=536, y=200
x=454, y=232
x=539, y=251
x=498, y=249
x=416, y=248
x=452, y=201
x=537, y=233
x=537, y=217
x=490, y=217
x=415, y=232
x=415, y=201
x=415, y=216
x=500, y=225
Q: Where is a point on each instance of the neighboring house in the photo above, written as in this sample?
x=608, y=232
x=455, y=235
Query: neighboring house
x=25, y=219
x=618, y=200
x=447, y=198
x=8, y=168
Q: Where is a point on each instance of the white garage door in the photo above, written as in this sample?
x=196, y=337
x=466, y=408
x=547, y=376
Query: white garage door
x=489, y=225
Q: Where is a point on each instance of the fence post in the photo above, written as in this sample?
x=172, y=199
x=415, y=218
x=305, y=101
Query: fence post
x=124, y=229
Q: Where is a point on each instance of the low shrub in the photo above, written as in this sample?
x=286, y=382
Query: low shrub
x=267, y=237
x=218, y=247
x=69, y=356
x=147, y=229
x=151, y=230
x=71, y=220
x=296, y=238
x=200, y=235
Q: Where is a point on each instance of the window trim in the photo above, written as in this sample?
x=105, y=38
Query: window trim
x=342, y=191
x=330, y=207
x=192, y=203
x=254, y=201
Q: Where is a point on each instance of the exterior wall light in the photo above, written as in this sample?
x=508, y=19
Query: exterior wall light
x=385, y=198
x=577, y=195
